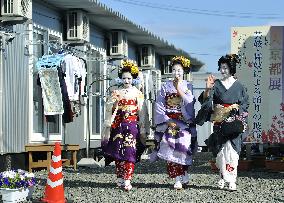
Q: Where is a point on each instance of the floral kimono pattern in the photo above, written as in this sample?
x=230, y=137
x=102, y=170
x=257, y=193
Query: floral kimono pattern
x=175, y=145
x=123, y=126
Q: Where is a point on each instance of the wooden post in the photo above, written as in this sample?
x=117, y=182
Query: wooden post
x=248, y=151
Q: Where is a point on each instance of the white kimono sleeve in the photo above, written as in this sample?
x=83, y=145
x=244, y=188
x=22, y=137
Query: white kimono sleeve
x=109, y=115
x=142, y=113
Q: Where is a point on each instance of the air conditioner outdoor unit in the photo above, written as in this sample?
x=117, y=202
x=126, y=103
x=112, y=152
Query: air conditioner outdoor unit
x=147, y=56
x=78, y=26
x=118, y=43
x=16, y=8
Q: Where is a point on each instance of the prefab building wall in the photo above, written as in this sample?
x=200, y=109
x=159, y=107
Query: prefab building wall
x=15, y=94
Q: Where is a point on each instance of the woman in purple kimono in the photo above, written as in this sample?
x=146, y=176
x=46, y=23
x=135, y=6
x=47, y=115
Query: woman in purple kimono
x=124, y=125
x=174, y=115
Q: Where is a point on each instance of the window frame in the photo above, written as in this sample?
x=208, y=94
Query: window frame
x=97, y=53
x=167, y=70
x=45, y=135
x=115, y=46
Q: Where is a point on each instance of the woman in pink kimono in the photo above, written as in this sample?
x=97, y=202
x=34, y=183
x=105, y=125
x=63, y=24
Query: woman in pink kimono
x=125, y=118
x=174, y=114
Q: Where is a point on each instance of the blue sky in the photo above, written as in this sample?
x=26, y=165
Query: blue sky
x=203, y=28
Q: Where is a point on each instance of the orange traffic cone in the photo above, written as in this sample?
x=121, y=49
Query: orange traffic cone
x=54, y=190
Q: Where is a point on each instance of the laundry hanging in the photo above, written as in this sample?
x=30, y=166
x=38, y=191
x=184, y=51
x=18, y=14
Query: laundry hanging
x=70, y=78
x=75, y=71
x=49, y=81
x=51, y=91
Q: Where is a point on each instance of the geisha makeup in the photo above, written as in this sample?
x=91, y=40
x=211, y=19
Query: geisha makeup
x=177, y=71
x=224, y=70
x=127, y=79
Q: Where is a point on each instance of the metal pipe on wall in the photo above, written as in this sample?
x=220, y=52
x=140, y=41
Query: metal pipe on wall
x=1, y=95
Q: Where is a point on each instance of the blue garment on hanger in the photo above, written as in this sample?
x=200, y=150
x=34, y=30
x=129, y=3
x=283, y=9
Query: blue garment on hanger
x=49, y=61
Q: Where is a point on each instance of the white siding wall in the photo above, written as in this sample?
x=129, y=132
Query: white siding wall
x=132, y=51
x=97, y=36
x=15, y=93
x=46, y=16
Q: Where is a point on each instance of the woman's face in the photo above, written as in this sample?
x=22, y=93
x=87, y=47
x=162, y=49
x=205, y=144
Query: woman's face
x=177, y=71
x=224, y=70
x=127, y=79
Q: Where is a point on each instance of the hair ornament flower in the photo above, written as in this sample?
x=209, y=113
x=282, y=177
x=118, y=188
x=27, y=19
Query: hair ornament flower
x=235, y=57
x=130, y=64
x=184, y=61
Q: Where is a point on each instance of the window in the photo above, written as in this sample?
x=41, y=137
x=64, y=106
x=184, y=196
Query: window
x=38, y=117
x=40, y=125
x=114, y=37
x=145, y=54
x=167, y=68
x=96, y=102
x=73, y=24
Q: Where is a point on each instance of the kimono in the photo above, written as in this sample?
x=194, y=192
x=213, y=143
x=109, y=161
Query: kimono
x=222, y=146
x=236, y=94
x=176, y=146
x=123, y=127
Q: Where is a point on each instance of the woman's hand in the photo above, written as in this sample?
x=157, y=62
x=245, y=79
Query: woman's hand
x=210, y=82
x=176, y=83
x=209, y=85
x=115, y=96
x=172, y=125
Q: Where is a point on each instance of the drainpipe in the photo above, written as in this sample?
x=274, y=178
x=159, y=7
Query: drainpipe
x=1, y=94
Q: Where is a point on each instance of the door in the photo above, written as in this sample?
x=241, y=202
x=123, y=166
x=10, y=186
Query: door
x=42, y=130
x=98, y=89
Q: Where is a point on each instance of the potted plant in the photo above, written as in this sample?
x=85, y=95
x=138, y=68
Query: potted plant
x=16, y=185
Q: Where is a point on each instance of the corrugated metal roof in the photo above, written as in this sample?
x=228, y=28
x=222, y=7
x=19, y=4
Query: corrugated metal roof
x=109, y=19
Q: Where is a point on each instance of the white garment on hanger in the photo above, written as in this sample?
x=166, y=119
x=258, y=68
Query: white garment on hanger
x=83, y=73
x=74, y=68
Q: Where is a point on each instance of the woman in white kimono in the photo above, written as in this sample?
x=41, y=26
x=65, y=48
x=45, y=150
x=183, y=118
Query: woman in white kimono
x=125, y=118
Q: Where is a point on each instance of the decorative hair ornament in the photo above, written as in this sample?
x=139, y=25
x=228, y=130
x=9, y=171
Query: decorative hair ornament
x=137, y=81
x=118, y=81
x=234, y=57
x=130, y=64
x=184, y=61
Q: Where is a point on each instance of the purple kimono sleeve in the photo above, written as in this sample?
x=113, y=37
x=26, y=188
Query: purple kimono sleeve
x=188, y=110
x=160, y=108
x=187, y=107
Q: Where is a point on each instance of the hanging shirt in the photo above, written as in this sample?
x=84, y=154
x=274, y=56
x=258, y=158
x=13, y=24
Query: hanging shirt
x=74, y=69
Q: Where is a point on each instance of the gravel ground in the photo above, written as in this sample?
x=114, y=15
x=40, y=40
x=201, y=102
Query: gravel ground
x=151, y=184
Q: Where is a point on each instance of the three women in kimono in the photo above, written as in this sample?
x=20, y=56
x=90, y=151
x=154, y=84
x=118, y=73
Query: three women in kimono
x=229, y=99
x=125, y=125
x=174, y=115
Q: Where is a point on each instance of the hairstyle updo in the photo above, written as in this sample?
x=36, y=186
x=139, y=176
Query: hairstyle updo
x=231, y=60
x=128, y=66
x=184, y=62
